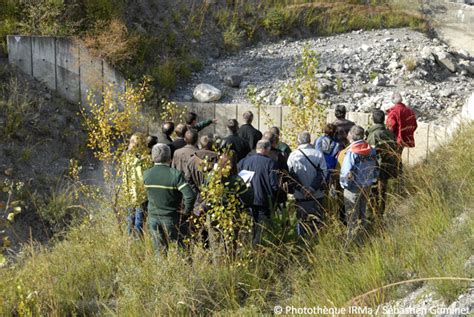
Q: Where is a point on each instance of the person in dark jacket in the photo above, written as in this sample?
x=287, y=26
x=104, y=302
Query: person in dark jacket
x=164, y=136
x=384, y=142
x=282, y=146
x=183, y=155
x=191, y=122
x=265, y=186
x=281, y=165
x=165, y=188
x=179, y=142
x=342, y=125
x=248, y=132
x=234, y=141
x=200, y=164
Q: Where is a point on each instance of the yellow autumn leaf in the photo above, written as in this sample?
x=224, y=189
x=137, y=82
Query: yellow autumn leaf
x=11, y=217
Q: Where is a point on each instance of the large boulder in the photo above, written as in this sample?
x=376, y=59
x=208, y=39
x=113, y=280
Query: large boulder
x=206, y=93
x=446, y=60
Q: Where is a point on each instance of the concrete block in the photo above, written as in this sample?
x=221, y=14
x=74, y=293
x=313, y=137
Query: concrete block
x=420, y=151
x=19, y=53
x=44, y=60
x=437, y=136
x=90, y=75
x=67, y=69
x=223, y=112
x=270, y=116
x=331, y=117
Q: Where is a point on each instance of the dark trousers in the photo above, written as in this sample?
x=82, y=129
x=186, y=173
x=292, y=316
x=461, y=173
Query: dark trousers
x=163, y=230
x=310, y=216
x=261, y=221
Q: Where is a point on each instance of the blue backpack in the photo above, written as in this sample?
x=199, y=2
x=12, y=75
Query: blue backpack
x=329, y=147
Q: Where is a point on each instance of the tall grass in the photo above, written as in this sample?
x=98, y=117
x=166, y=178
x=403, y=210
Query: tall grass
x=97, y=269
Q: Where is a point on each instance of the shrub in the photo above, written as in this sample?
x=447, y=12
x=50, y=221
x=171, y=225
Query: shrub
x=233, y=37
x=410, y=64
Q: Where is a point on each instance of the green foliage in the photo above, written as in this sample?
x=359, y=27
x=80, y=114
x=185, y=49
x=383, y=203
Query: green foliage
x=59, y=208
x=96, y=10
x=233, y=37
x=279, y=20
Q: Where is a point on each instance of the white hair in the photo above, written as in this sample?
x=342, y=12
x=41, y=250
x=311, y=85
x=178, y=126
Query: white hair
x=397, y=97
x=161, y=153
x=304, y=137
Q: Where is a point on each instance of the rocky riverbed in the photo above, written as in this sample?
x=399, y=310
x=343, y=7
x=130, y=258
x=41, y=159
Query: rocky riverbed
x=359, y=69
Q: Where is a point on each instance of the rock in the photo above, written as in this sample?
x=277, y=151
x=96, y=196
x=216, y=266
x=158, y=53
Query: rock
x=243, y=84
x=187, y=98
x=9, y=171
x=393, y=65
x=379, y=81
x=338, y=68
x=365, y=47
x=358, y=95
x=279, y=101
x=388, y=39
x=233, y=80
x=446, y=93
x=206, y=93
x=446, y=60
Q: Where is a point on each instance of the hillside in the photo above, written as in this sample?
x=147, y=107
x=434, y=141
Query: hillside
x=98, y=270
x=64, y=247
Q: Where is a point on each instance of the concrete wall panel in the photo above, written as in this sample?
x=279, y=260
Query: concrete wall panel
x=223, y=112
x=113, y=78
x=273, y=117
x=19, y=53
x=44, y=60
x=91, y=75
x=420, y=151
x=67, y=69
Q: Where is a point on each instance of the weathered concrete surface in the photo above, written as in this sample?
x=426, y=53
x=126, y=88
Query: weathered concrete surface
x=44, y=60
x=67, y=69
x=19, y=48
x=63, y=66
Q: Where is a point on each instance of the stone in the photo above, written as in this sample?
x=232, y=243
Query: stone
x=388, y=39
x=206, y=93
x=358, y=95
x=446, y=60
x=365, y=47
x=338, y=68
x=379, y=81
x=446, y=93
x=233, y=80
x=243, y=84
x=393, y=65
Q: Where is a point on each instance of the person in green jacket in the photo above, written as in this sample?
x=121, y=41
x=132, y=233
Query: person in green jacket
x=383, y=140
x=191, y=122
x=281, y=146
x=166, y=187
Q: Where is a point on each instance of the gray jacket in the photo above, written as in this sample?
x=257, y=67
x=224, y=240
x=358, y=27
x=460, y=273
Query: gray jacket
x=299, y=165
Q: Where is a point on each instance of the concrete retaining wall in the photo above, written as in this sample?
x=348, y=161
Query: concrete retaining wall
x=62, y=65
x=427, y=137
x=68, y=68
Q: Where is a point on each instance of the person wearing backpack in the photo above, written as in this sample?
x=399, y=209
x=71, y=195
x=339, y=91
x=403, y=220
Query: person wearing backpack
x=307, y=168
x=384, y=142
x=329, y=146
x=358, y=173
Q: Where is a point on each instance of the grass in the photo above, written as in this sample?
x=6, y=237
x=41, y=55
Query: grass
x=97, y=269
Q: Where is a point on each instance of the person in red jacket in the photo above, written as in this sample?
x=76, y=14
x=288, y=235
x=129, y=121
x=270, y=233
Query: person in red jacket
x=401, y=120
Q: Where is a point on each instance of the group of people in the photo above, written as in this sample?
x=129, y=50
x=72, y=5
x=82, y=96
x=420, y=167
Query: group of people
x=346, y=165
